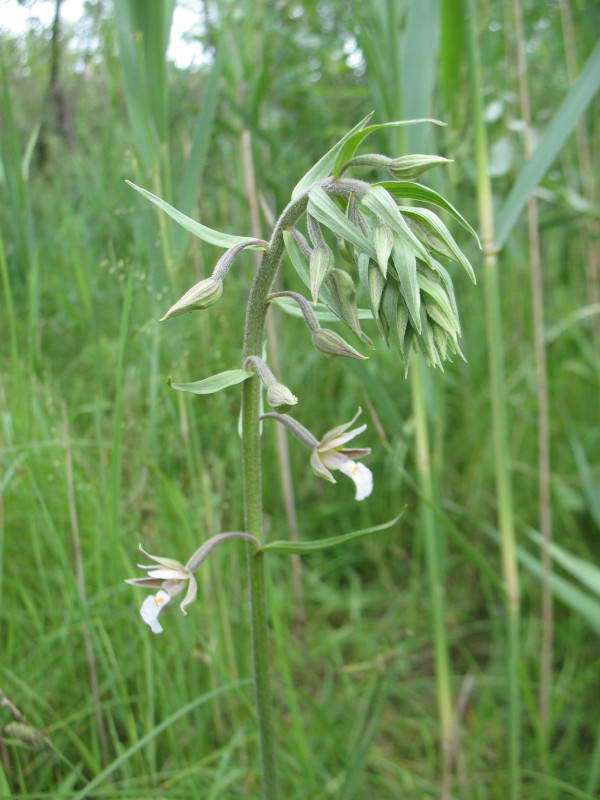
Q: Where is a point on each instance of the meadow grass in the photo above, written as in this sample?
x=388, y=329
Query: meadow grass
x=86, y=269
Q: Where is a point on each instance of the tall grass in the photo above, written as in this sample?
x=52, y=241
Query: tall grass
x=84, y=276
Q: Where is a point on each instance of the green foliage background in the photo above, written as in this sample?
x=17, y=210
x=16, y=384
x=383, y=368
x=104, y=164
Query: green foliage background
x=87, y=270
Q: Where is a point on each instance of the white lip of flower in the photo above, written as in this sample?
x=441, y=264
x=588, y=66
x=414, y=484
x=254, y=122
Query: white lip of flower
x=330, y=454
x=171, y=577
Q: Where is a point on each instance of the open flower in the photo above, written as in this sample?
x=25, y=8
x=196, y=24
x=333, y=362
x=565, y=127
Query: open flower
x=330, y=454
x=171, y=576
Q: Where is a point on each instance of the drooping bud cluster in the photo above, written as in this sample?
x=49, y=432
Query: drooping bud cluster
x=395, y=248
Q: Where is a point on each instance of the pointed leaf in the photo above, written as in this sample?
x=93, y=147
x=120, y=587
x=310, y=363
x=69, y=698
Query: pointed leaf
x=324, y=165
x=354, y=141
x=303, y=548
x=416, y=191
x=196, y=228
x=215, y=383
x=323, y=209
x=382, y=205
x=432, y=222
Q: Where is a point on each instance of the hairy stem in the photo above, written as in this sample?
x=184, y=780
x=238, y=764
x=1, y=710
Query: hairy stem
x=254, y=330
x=251, y=460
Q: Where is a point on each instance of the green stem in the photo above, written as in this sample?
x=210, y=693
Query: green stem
x=499, y=412
x=254, y=330
x=434, y=573
x=251, y=460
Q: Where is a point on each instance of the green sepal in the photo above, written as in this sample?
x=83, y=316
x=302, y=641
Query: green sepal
x=438, y=237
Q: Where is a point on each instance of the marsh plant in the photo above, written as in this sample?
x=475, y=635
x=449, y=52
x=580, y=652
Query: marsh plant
x=345, y=238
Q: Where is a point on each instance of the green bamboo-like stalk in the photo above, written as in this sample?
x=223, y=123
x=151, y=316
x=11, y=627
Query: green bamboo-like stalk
x=543, y=406
x=434, y=572
x=394, y=87
x=498, y=399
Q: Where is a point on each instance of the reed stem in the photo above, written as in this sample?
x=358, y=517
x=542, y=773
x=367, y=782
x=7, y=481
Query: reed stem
x=543, y=410
x=499, y=414
x=434, y=573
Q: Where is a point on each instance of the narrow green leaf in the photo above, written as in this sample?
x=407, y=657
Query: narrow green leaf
x=196, y=160
x=435, y=224
x=302, y=548
x=322, y=313
x=583, y=604
x=29, y=148
x=323, y=209
x=452, y=53
x=154, y=732
x=416, y=191
x=324, y=165
x=353, y=142
x=550, y=144
x=584, y=571
x=209, y=235
x=368, y=727
x=383, y=206
x=213, y=384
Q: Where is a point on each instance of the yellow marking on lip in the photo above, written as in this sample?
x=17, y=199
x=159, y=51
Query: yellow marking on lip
x=159, y=600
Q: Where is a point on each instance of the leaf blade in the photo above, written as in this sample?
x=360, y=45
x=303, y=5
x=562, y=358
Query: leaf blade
x=209, y=235
x=302, y=548
x=215, y=383
x=323, y=166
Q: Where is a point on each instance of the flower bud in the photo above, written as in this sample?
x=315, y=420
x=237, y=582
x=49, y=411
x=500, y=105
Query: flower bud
x=321, y=262
x=410, y=167
x=343, y=295
x=383, y=241
x=279, y=396
x=202, y=295
x=331, y=344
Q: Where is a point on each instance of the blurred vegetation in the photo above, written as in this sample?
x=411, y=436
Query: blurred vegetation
x=98, y=454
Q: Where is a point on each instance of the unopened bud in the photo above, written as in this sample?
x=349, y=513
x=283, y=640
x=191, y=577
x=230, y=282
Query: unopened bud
x=343, y=295
x=202, y=295
x=410, y=167
x=279, y=396
x=345, y=251
x=331, y=344
x=383, y=241
x=321, y=262
x=404, y=167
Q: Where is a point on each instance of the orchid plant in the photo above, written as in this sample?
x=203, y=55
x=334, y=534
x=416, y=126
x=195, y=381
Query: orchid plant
x=357, y=237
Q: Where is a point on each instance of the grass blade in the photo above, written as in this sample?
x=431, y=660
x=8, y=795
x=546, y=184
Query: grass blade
x=555, y=135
